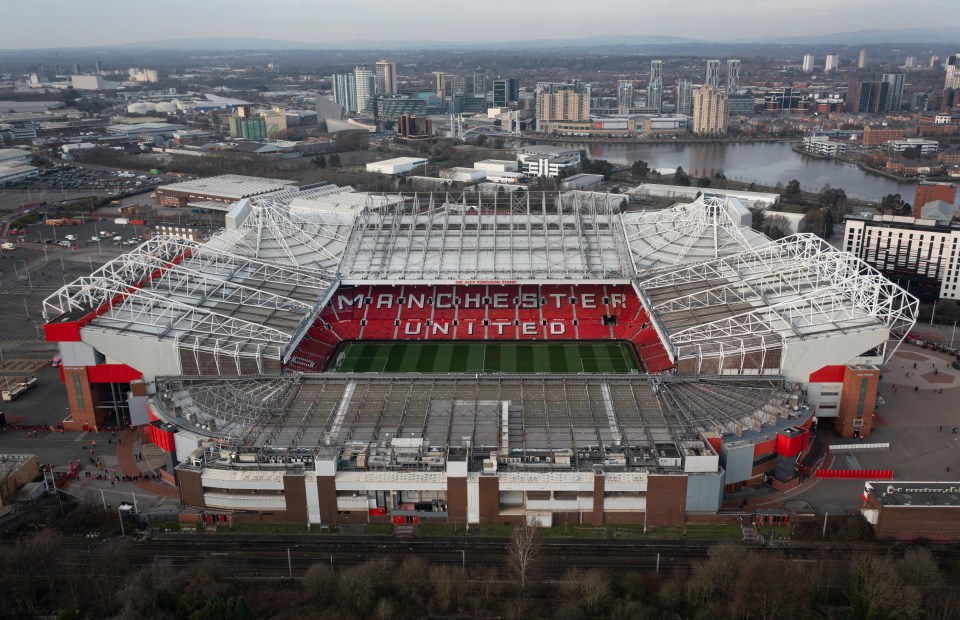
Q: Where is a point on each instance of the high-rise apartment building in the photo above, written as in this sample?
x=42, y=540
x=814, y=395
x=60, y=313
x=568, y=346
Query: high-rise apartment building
x=713, y=74
x=624, y=94
x=440, y=83
x=366, y=85
x=505, y=91
x=832, y=63
x=709, y=112
x=562, y=102
x=862, y=60
x=733, y=76
x=952, y=80
x=934, y=59
x=479, y=82
x=894, y=90
x=386, y=77
x=685, y=97
x=655, y=87
x=808, y=61
x=345, y=91
x=911, y=62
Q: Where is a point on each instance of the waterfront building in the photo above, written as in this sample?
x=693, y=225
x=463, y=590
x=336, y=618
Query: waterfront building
x=562, y=102
x=709, y=112
x=926, y=147
x=875, y=135
x=867, y=97
x=819, y=145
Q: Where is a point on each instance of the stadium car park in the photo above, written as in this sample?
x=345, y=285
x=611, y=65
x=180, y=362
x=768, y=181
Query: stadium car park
x=647, y=361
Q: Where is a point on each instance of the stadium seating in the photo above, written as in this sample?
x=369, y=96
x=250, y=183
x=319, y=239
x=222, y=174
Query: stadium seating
x=467, y=312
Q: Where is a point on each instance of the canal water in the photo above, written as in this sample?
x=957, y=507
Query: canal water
x=767, y=163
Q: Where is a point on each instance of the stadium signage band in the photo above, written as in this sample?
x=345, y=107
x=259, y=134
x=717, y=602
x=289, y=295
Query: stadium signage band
x=467, y=301
x=945, y=488
x=486, y=282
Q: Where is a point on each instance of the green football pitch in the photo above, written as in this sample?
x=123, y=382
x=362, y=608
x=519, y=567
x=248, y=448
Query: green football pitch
x=485, y=357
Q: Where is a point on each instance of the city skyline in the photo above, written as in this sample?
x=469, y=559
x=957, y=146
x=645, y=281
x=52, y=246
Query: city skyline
x=303, y=22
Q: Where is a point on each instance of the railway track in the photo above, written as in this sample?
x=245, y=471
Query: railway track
x=267, y=557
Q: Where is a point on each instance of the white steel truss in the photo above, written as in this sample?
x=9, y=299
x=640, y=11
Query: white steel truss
x=518, y=237
x=796, y=288
x=705, y=229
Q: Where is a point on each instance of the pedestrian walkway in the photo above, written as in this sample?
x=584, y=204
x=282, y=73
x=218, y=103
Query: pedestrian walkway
x=129, y=466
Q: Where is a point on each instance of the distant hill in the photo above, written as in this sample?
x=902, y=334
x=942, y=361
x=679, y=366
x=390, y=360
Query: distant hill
x=859, y=37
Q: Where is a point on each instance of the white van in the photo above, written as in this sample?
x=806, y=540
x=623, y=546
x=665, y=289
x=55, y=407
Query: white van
x=70, y=237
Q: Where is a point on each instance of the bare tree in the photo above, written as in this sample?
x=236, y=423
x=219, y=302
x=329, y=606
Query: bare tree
x=524, y=553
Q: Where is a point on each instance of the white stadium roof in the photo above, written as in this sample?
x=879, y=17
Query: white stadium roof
x=717, y=292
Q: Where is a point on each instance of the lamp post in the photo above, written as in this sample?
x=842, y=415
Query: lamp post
x=953, y=333
x=123, y=531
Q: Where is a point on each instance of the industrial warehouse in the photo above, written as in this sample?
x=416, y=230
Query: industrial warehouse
x=284, y=365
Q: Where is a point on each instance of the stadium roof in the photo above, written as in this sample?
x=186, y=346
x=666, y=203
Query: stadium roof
x=206, y=301
x=712, y=287
x=798, y=288
x=516, y=238
x=590, y=417
x=707, y=228
x=228, y=186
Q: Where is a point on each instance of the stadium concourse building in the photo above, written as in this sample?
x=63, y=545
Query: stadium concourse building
x=238, y=355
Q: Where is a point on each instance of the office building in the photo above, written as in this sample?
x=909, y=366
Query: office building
x=655, y=87
x=820, y=145
x=867, y=97
x=740, y=104
x=709, y=112
x=414, y=128
x=345, y=91
x=685, y=97
x=366, y=88
x=469, y=104
x=440, y=83
x=624, y=94
x=920, y=255
x=562, y=102
x=930, y=192
x=832, y=63
x=386, y=77
x=456, y=85
x=479, y=82
x=392, y=108
x=733, y=76
x=862, y=60
x=713, y=74
x=952, y=80
x=505, y=92
x=808, y=61
x=894, y=90
x=923, y=147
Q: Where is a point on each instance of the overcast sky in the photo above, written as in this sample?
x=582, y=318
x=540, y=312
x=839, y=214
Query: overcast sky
x=76, y=23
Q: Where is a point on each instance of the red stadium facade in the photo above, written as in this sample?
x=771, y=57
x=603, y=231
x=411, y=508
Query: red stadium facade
x=475, y=311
